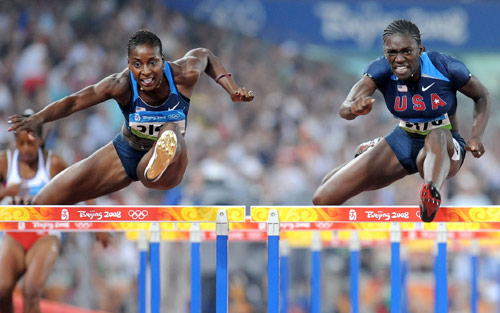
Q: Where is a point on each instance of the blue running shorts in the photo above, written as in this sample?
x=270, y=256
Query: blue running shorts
x=407, y=147
x=130, y=158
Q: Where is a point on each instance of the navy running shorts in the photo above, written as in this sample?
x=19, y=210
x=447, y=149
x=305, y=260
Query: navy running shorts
x=407, y=148
x=130, y=158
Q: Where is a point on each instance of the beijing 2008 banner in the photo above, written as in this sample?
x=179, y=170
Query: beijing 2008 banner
x=353, y=25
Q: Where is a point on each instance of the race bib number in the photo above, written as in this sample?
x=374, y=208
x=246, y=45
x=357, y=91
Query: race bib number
x=147, y=124
x=424, y=128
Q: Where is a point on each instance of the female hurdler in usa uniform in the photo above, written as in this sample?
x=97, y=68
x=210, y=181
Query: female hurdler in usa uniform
x=419, y=89
x=154, y=96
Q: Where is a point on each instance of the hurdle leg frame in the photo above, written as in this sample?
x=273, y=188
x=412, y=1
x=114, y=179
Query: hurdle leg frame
x=474, y=251
x=221, y=278
x=195, y=239
x=354, y=266
x=155, y=238
x=441, y=284
x=273, y=259
x=143, y=270
x=316, y=272
x=395, y=268
x=404, y=280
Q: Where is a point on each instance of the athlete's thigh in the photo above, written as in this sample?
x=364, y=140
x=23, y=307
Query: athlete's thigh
x=379, y=167
x=453, y=151
x=40, y=261
x=373, y=169
x=12, y=264
x=99, y=174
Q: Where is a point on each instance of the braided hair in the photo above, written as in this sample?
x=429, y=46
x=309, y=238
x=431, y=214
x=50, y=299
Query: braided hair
x=142, y=37
x=402, y=26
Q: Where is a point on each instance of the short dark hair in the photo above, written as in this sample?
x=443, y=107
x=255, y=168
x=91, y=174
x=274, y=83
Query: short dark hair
x=402, y=26
x=142, y=37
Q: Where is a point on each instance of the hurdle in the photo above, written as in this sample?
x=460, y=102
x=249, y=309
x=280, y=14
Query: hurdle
x=28, y=218
x=86, y=218
x=396, y=215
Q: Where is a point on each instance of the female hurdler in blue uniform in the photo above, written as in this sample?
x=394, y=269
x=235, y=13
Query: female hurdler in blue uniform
x=419, y=89
x=153, y=95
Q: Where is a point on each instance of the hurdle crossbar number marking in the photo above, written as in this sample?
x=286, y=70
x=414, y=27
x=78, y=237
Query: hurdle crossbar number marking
x=375, y=214
x=202, y=214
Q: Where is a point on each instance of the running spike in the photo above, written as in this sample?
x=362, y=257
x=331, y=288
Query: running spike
x=163, y=154
x=430, y=200
x=365, y=146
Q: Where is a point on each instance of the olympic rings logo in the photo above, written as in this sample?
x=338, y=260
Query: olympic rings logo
x=323, y=225
x=138, y=214
x=83, y=225
x=175, y=116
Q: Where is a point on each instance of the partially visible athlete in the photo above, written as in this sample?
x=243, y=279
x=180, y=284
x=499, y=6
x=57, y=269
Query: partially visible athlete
x=419, y=89
x=154, y=96
x=32, y=255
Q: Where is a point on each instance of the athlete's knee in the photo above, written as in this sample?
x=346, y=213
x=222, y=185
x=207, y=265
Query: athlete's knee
x=171, y=183
x=170, y=126
x=6, y=290
x=39, y=199
x=436, y=137
x=32, y=293
x=321, y=198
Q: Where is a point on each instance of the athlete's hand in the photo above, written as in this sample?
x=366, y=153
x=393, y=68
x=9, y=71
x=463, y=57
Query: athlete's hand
x=21, y=200
x=362, y=105
x=18, y=123
x=104, y=238
x=475, y=146
x=242, y=95
x=13, y=190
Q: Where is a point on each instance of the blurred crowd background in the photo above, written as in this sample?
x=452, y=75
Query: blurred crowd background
x=272, y=151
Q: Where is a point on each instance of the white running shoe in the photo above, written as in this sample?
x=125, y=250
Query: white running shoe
x=164, y=152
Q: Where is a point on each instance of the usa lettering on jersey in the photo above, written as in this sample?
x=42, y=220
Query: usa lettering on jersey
x=417, y=103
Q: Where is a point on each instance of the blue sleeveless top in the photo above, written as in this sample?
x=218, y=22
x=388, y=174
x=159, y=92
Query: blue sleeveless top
x=429, y=99
x=145, y=121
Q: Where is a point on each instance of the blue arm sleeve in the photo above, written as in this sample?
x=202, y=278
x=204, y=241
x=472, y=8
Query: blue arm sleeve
x=380, y=71
x=455, y=70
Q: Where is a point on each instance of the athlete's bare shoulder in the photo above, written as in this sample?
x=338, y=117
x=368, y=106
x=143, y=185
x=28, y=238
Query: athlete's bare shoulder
x=117, y=86
x=3, y=165
x=186, y=71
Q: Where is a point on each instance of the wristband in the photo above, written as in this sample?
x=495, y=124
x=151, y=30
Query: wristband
x=222, y=75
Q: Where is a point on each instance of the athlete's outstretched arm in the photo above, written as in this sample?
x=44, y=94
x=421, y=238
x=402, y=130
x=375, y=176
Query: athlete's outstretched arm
x=475, y=90
x=110, y=87
x=359, y=100
x=202, y=60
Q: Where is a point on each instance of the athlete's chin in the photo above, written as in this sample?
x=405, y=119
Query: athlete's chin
x=147, y=87
x=404, y=76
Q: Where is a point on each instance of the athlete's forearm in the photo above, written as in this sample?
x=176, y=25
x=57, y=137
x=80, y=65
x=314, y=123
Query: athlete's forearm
x=78, y=101
x=56, y=110
x=481, y=116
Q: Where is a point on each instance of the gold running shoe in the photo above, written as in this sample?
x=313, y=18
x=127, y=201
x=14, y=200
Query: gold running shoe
x=164, y=152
